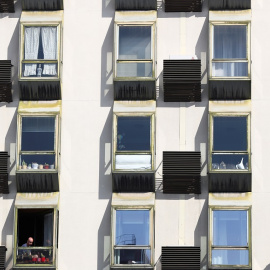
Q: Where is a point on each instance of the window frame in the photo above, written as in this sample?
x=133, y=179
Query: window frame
x=58, y=61
x=152, y=138
x=210, y=234
x=56, y=142
x=116, y=50
x=234, y=60
x=151, y=235
x=211, y=139
x=55, y=235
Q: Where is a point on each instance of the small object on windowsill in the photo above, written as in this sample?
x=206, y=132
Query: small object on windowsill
x=240, y=165
x=29, y=167
x=222, y=166
x=40, y=166
x=46, y=166
x=39, y=70
x=52, y=166
x=20, y=167
x=34, y=165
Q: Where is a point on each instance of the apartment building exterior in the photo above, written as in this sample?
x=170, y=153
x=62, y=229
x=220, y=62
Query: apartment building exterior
x=134, y=134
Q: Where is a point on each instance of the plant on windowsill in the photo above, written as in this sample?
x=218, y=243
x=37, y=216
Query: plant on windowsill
x=40, y=166
x=24, y=165
x=46, y=166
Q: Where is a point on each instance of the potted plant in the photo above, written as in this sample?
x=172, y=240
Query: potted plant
x=34, y=165
x=46, y=166
x=42, y=258
x=24, y=165
x=40, y=166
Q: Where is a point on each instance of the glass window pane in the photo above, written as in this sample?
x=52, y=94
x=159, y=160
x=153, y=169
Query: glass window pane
x=229, y=162
x=133, y=133
x=230, y=133
x=230, y=228
x=134, y=70
x=38, y=133
x=39, y=70
x=132, y=256
x=134, y=42
x=230, y=257
x=132, y=227
x=230, y=69
x=230, y=41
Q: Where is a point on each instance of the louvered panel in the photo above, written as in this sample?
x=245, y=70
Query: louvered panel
x=181, y=258
x=135, y=4
x=183, y=5
x=2, y=257
x=42, y=5
x=5, y=81
x=7, y=6
x=182, y=80
x=181, y=172
x=4, y=172
x=229, y=4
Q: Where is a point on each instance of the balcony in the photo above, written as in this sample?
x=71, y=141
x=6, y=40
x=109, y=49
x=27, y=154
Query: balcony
x=7, y=6
x=183, y=5
x=181, y=172
x=182, y=80
x=136, y=5
x=5, y=80
x=42, y=5
x=4, y=172
x=229, y=4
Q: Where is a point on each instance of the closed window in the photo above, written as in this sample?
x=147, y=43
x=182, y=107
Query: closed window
x=230, y=237
x=38, y=142
x=133, y=144
x=132, y=240
x=134, y=51
x=230, y=55
x=229, y=142
x=40, y=50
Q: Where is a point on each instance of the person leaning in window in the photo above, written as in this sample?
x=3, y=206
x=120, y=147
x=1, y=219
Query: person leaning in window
x=29, y=243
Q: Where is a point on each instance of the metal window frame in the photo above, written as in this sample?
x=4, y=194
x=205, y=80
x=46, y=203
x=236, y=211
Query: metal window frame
x=116, y=50
x=55, y=232
x=58, y=25
x=234, y=60
x=211, y=139
x=210, y=234
x=151, y=235
x=56, y=141
x=152, y=139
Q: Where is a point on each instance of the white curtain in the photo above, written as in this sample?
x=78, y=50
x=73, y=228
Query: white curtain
x=49, y=44
x=31, y=44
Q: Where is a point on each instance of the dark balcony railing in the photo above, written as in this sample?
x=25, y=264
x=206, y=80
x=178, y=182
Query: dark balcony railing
x=182, y=80
x=47, y=5
x=229, y=4
x=4, y=172
x=3, y=250
x=180, y=258
x=181, y=172
x=7, y=6
x=135, y=4
x=5, y=81
x=183, y=5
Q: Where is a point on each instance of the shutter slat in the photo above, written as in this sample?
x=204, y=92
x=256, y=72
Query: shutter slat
x=7, y=6
x=183, y=5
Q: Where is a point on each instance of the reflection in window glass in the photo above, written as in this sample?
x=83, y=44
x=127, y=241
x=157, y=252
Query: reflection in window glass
x=230, y=133
x=38, y=133
x=134, y=42
x=230, y=257
x=133, y=133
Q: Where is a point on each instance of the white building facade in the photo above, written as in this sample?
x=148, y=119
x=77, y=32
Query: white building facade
x=133, y=134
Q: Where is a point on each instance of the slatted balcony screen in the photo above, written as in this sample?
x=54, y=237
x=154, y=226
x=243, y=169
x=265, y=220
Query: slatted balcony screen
x=182, y=80
x=5, y=80
x=135, y=4
x=7, y=6
x=33, y=5
x=229, y=4
x=183, y=5
x=4, y=172
x=181, y=258
x=181, y=172
x=3, y=250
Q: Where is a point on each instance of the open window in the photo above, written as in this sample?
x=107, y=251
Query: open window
x=230, y=52
x=35, y=230
x=230, y=142
x=230, y=241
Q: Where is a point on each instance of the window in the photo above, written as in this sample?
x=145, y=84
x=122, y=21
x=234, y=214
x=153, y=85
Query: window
x=229, y=142
x=37, y=142
x=133, y=141
x=230, y=54
x=230, y=237
x=40, y=51
x=35, y=231
x=132, y=236
x=134, y=51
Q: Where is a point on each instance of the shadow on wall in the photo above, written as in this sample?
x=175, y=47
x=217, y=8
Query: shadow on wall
x=103, y=252
x=106, y=91
x=201, y=231
x=108, y=8
x=105, y=159
x=267, y=267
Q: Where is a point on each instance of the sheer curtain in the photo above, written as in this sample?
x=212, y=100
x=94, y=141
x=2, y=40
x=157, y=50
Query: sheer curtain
x=49, y=44
x=31, y=44
x=230, y=42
